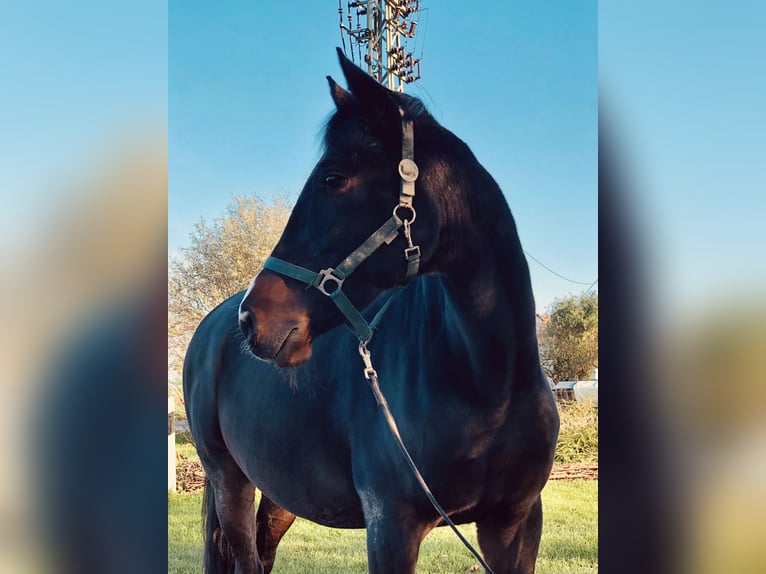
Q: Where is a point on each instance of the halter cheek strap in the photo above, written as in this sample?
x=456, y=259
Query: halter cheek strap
x=330, y=281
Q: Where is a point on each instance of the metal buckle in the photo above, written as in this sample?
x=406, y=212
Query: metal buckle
x=327, y=275
x=412, y=252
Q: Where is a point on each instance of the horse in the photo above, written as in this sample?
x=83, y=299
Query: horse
x=275, y=389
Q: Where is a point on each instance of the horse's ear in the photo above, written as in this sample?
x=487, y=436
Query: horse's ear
x=369, y=92
x=340, y=96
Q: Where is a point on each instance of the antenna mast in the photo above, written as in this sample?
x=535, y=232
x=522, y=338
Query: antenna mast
x=378, y=32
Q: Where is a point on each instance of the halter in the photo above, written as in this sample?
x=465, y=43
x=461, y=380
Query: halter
x=329, y=281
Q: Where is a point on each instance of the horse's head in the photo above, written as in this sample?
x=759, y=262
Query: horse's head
x=351, y=192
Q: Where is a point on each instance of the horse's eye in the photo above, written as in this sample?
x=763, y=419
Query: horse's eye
x=334, y=180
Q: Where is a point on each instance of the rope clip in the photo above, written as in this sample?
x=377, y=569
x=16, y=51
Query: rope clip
x=369, y=371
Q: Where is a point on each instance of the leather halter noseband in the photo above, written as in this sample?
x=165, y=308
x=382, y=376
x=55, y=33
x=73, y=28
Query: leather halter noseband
x=329, y=281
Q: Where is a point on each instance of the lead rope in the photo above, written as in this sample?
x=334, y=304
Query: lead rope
x=372, y=376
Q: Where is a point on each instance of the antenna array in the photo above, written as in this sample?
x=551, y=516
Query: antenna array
x=378, y=32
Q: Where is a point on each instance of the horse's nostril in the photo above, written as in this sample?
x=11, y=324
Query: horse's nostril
x=246, y=322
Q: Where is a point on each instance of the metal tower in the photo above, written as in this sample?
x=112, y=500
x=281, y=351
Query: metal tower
x=378, y=32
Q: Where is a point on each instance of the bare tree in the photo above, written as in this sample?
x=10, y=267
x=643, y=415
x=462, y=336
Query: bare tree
x=222, y=259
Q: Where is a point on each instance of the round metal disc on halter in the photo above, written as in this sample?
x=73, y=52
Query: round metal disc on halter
x=408, y=170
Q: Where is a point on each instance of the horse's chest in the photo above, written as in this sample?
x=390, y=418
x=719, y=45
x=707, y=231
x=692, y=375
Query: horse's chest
x=450, y=444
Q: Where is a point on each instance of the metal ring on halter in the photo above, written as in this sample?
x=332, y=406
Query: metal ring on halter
x=327, y=275
x=404, y=206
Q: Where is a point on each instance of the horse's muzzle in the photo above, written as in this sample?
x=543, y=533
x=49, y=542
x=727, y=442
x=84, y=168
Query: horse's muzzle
x=275, y=326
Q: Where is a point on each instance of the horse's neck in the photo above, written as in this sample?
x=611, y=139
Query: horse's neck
x=488, y=286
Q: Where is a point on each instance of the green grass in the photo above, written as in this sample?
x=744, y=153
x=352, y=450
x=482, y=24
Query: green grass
x=185, y=446
x=569, y=544
x=570, y=528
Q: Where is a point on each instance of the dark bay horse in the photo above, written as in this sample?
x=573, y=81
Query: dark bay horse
x=273, y=381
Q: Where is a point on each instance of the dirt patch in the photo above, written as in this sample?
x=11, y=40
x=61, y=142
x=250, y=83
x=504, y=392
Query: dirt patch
x=575, y=471
x=190, y=476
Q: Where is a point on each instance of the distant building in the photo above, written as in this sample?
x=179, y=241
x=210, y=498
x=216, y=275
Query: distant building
x=579, y=391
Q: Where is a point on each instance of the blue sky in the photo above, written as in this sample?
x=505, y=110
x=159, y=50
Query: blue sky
x=518, y=83
x=683, y=87
x=243, y=87
x=77, y=77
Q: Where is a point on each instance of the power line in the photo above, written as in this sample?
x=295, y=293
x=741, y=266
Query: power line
x=590, y=285
x=342, y=35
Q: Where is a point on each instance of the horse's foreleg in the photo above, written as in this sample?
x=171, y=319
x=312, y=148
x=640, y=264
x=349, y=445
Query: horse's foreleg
x=272, y=521
x=392, y=548
x=510, y=542
x=393, y=536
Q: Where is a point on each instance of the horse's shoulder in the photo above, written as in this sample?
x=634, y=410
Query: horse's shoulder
x=217, y=332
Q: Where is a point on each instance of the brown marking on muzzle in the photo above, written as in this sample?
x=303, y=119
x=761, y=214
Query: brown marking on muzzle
x=275, y=321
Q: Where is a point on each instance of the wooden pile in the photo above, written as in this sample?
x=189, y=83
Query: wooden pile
x=190, y=476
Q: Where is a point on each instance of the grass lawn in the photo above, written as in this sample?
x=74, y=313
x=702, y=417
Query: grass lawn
x=569, y=543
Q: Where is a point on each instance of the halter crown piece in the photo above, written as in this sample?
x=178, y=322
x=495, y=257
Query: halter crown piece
x=330, y=281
